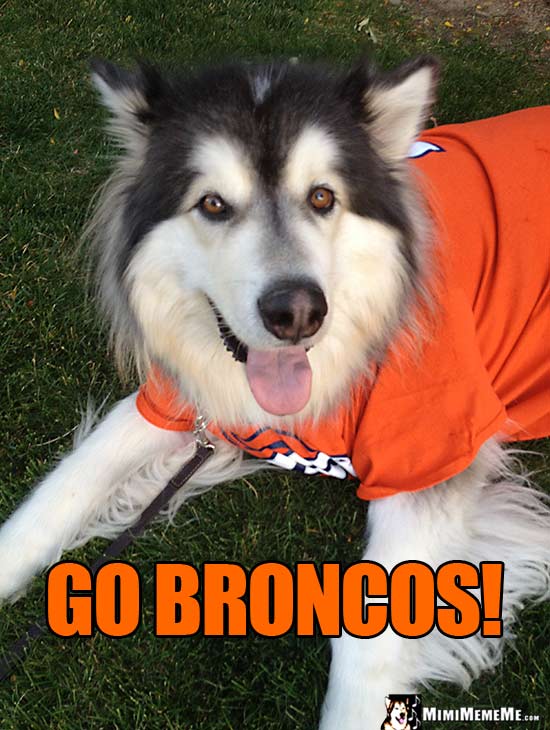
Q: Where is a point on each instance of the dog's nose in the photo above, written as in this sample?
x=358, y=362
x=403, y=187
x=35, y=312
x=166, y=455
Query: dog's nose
x=292, y=310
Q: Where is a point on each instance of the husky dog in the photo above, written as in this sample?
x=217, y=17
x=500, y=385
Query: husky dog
x=264, y=247
x=397, y=717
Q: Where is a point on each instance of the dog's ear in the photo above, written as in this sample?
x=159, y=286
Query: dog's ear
x=132, y=97
x=398, y=103
x=388, y=703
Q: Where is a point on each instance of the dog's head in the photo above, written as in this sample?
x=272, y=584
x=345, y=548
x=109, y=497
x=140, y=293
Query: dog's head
x=257, y=238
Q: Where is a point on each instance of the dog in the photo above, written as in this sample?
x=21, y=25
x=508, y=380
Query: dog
x=279, y=253
x=397, y=717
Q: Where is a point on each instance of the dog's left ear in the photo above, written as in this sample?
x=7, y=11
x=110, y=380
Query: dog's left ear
x=132, y=96
x=397, y=103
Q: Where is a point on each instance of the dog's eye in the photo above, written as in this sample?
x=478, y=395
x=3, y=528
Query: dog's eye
x=214, y=206
x=321, y=200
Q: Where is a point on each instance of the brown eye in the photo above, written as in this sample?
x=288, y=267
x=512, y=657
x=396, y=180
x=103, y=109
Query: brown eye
x=214, y=206
x=322, y=199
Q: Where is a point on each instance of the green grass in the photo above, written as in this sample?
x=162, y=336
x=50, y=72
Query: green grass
x=53, y=353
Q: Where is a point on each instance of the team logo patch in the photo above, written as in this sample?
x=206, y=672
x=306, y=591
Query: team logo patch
x=287, y=451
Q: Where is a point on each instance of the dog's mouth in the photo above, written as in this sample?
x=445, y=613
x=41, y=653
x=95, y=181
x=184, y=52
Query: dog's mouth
x=238, y=349
x=280, y=379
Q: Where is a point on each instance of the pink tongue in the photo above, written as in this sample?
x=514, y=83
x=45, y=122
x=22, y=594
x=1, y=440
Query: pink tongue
x=280, y=380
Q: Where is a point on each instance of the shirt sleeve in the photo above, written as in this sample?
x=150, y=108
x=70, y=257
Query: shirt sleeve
x=159, y=402
x=429, y=411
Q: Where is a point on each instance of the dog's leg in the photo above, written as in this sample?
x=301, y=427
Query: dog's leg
x=481, y=514
x=56, y=514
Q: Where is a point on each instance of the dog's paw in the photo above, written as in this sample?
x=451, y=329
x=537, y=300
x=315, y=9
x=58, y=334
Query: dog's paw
x=18, y=564
x=11, y=588
x=11, y=597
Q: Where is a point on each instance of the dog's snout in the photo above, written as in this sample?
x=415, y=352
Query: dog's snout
x=292, y=310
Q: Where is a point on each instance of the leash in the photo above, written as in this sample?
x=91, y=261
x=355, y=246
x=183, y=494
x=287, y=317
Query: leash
x=203, y=451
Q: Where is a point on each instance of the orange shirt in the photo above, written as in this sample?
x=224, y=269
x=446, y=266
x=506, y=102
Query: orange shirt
x=485, y=368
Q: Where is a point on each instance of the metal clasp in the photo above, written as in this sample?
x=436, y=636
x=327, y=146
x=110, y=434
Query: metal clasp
x=199, y=432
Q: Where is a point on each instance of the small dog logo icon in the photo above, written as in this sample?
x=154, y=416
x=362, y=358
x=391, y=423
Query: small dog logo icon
x=403, y=712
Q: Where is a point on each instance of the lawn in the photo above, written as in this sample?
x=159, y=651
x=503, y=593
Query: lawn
x=53, y=155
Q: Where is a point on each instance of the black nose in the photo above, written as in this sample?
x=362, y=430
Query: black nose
x=292, y=310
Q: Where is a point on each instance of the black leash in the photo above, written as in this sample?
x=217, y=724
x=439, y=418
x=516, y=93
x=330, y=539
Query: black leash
x=204, y=449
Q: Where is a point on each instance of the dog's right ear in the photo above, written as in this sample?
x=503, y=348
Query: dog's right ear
x=396, y=103
x=132, y=97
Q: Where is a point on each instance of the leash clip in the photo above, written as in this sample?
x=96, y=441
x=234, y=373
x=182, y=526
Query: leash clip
x=199, y=432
